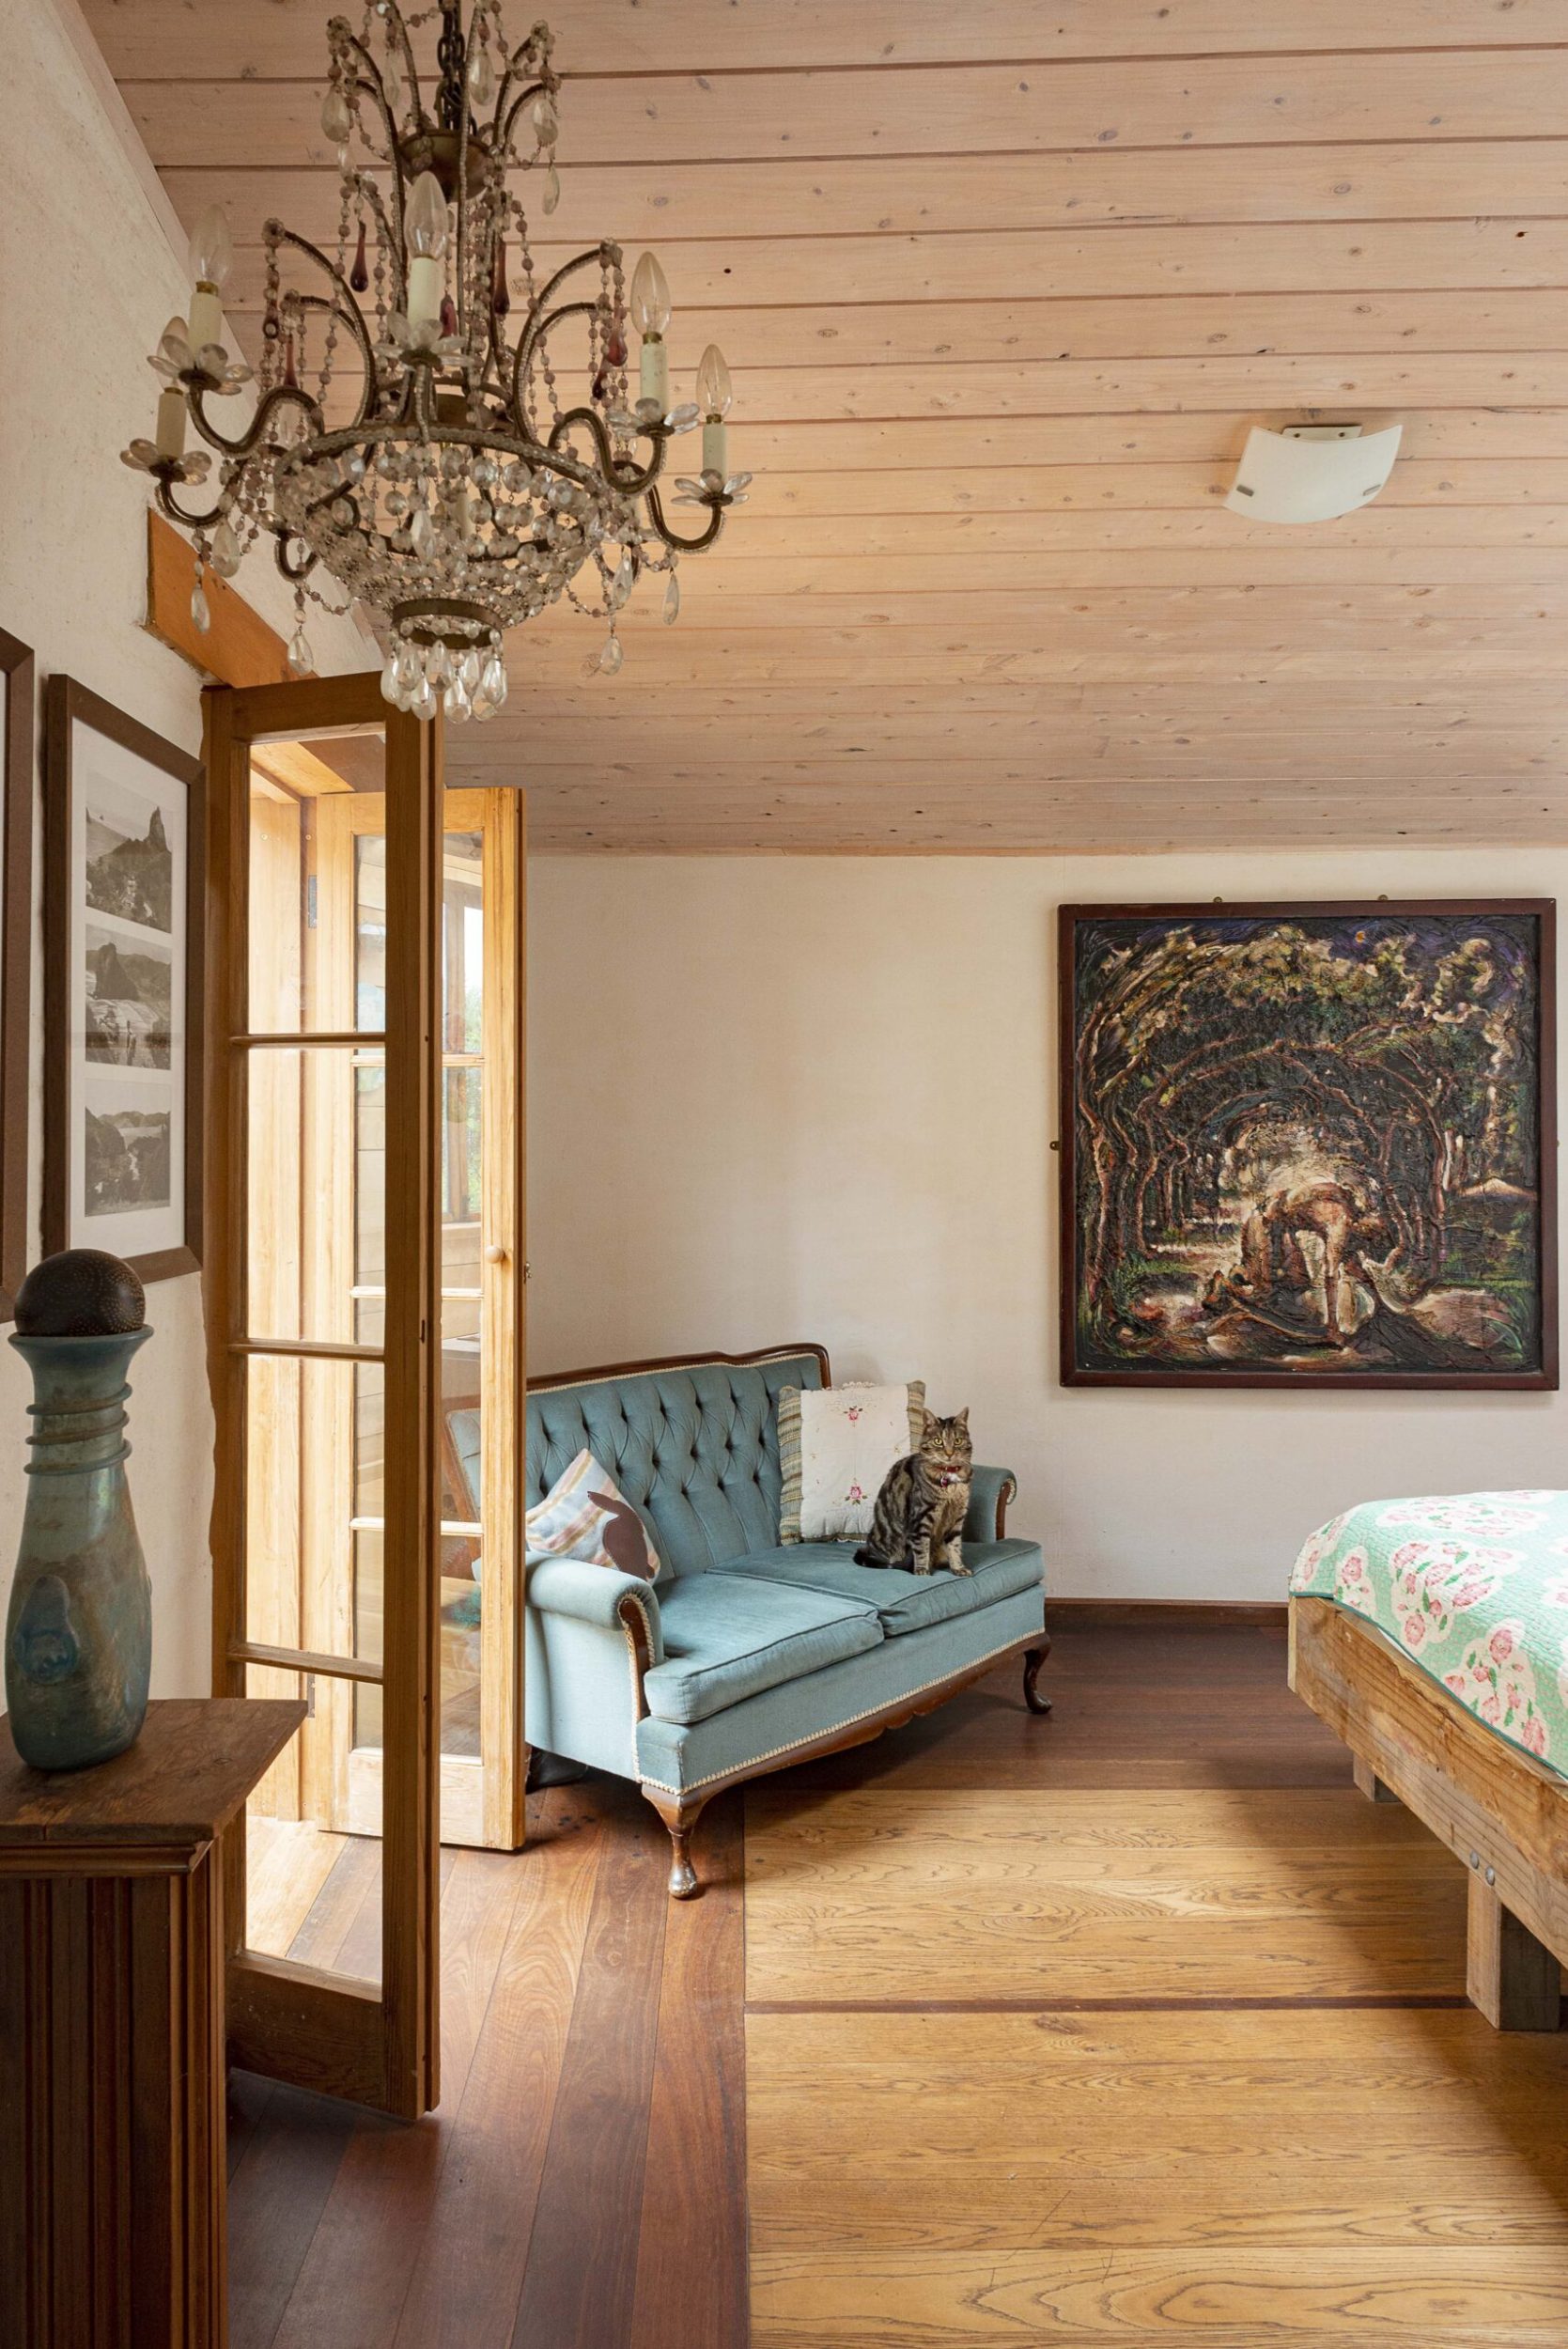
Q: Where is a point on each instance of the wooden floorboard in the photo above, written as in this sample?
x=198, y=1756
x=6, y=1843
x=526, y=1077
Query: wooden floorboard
x=468, y=2279
x=1166, y=2050
x=692, y=2280
x=579, y=2287
x=354, y=2282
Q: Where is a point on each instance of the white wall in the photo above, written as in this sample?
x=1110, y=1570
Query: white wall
x=87, y=279
x=814, y=1097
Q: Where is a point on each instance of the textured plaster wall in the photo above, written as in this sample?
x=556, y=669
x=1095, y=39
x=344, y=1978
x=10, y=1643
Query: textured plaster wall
x=775, y=1099
x=87, y=279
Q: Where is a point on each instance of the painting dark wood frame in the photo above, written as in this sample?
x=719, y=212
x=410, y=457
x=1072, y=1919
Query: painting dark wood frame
x=15, y=961
x=68, y=706
x=1544, y=910
x=1502, y=1813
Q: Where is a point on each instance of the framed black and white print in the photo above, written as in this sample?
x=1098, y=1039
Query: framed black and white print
x=122, y=963
x=16, y=963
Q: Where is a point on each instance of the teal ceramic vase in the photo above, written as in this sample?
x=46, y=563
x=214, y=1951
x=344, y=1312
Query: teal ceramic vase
x=78, y=1632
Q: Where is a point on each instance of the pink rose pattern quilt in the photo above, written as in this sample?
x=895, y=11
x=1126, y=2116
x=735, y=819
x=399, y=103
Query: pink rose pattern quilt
x=1474, y=1586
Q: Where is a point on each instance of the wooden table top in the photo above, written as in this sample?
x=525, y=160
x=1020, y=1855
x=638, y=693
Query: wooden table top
x=181, y=1783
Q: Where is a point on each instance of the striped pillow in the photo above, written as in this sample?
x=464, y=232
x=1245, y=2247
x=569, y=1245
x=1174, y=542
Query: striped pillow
x=835, y=1446
x=586, y=1516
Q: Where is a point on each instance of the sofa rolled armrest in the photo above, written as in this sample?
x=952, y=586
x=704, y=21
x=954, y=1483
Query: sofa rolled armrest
x=598, y=1595
x=990, y=1490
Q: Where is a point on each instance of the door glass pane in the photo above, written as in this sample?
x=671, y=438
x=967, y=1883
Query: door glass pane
x=312, y=1891
x=469, y=1279
x=318, y=925
x=316, y=1175
x=314, y=1504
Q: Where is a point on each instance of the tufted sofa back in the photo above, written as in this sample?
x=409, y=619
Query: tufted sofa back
x=695, y=1447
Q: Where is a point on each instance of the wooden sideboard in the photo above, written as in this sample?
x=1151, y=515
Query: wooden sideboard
x=112, y=2070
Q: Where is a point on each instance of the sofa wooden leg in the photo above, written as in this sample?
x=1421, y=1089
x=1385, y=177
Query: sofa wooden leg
x=1033, y=1659
x=680, y=1818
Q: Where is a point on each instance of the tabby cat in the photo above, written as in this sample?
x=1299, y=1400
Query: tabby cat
x=925, y=1499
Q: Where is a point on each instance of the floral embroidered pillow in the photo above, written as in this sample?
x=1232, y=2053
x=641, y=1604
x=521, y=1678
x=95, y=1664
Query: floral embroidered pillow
x=584, y=1515
x=835, y=1446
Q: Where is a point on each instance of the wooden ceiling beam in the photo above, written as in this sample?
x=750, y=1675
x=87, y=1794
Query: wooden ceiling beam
x=917, y=578
x=1015, y=108
x=1440, y=522
x=1228, y=386
x=1466, y=254
x=781, y=197
x=1137, y=327
x=153, y=40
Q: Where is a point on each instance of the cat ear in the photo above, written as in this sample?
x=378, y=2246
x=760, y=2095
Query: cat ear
x=963, y=1416
x=928, y=1421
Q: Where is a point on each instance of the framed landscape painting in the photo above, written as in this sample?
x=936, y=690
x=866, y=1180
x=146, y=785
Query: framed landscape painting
x=123, y=956
x=16, y=938
x=1309, y=1145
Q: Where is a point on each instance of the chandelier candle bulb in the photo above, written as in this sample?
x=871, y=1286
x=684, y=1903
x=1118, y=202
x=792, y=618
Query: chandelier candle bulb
x=169, y=432
x=650, y=314
x=427, y=229
x=655, y=370
x=714, y=395
x=211, y=259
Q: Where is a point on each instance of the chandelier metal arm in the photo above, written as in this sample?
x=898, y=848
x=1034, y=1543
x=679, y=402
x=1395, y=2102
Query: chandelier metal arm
x=503, y=129
x=349, y=39
x=671, y=538
x=170, y=505
x=346, y=308
x=624, y=471
x=376, y=88
x=248, y=441
x=541, y=320
x=540, y=46
x=293, y=572
x=536, y=317
x=534, y=340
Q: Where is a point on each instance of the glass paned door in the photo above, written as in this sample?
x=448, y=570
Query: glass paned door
x=478, y=1095
x=325, y=1156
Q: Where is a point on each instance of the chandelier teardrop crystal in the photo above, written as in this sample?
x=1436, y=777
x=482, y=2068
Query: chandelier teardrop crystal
x=409, y=438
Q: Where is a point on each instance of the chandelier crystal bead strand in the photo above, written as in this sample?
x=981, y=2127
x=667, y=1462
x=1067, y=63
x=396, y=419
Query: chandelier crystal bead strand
x=444, y=484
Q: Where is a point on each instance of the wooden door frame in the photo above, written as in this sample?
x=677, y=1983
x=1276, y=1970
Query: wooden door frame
x=377, y=2046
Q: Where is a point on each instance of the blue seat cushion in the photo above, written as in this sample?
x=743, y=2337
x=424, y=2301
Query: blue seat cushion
x=727, y=1637
x=904, y=1602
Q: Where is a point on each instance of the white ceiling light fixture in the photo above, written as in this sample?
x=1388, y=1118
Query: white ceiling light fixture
x=1312, y=473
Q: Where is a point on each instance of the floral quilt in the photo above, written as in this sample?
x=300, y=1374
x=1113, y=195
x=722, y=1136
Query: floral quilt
x=1474, y=1586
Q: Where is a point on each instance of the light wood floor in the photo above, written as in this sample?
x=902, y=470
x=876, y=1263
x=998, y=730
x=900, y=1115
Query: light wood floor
x=1134, y=2028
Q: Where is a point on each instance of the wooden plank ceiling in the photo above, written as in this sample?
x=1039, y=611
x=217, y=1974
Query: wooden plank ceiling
x=1003, y=285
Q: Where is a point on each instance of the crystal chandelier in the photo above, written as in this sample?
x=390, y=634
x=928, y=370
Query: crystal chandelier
x=461, y=496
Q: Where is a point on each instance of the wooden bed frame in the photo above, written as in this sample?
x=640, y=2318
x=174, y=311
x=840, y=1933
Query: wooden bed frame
x=1503, y=1813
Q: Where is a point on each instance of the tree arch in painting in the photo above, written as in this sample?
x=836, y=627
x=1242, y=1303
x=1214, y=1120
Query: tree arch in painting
x=1309, y=1144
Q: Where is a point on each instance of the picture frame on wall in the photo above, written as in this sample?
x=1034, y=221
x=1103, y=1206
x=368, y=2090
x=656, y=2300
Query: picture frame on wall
x=1309, y=1145
x=16, y=959
x=123, y=913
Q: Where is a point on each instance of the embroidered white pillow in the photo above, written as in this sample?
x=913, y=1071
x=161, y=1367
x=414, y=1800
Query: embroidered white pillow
x=835, y=1446
x=586, y=1516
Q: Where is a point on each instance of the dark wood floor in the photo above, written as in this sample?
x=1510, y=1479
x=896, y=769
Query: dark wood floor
x=582, y=2185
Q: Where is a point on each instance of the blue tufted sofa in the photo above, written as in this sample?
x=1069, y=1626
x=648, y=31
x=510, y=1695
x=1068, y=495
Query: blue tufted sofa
x=747, y=1656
